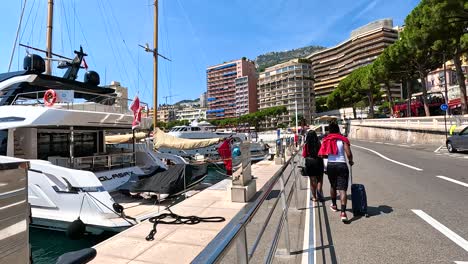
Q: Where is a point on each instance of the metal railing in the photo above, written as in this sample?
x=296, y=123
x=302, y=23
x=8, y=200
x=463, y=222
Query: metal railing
x=95, y=102
x=235, y=232
x=96, y=162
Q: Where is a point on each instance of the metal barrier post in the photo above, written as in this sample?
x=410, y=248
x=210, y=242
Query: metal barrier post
x=241, y=245
x=285, y=213
x=296, y=179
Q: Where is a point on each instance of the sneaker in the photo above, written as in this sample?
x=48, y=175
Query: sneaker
x=344, y=217
x=333, y=208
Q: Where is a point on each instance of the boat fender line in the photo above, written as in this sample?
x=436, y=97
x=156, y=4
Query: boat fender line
x=179, y=220
x=123, y=216
x=76, y=229
x=120, y=210
x=50, y=97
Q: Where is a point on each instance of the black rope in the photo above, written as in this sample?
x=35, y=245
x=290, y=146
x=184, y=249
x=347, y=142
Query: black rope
x=124, y=218
x=179, y=220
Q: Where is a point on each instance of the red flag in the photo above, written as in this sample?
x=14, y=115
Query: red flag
x=224, y=151
x=84, y=64
x=136, y=109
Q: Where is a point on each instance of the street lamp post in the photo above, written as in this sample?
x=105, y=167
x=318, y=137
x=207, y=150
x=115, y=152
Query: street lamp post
x=446, y=95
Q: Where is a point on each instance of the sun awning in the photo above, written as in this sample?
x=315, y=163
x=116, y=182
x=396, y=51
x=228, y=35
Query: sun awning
x=163, y=140
x=119, y=139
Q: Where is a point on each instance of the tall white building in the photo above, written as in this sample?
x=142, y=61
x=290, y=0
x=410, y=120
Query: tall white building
x=191, y=113
x=285, y=84
x=203, y=101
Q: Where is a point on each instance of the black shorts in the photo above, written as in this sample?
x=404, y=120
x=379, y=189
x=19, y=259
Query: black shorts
x=314, y=167
x=338, y=174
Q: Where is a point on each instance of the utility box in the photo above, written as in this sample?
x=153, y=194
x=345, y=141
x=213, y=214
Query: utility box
x=243, y=186
x=14, y=210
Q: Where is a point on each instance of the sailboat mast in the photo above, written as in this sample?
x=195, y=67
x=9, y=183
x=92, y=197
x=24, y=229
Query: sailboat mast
x=50, y=16
x=155, y=62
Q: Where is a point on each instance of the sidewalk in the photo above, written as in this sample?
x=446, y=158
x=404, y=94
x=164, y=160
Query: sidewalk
x=180, y=243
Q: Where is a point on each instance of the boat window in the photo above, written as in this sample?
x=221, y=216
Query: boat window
x=52, y=144
x=3, y=142
x=58, y=144
x=85, y=144
x=183, y=129
x=196, y=129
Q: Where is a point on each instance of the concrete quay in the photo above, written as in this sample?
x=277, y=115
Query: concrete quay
x=180, y=243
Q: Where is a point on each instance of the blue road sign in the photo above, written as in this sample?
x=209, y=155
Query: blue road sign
x=444, y=107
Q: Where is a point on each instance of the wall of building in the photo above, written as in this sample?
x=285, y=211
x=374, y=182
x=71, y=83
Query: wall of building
x=221, y=87
x=365, y=44
x=283, y=85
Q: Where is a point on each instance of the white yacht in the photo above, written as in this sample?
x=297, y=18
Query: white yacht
x=73, y=171
x=204, y=130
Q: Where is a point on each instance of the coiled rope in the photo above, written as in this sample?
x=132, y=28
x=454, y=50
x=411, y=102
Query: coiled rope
x=179, y=220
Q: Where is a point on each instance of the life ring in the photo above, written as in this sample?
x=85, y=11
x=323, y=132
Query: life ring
x=50, y=97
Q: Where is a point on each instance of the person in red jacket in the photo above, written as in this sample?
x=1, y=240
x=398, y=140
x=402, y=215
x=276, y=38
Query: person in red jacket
x=337, y=148
x=313, y=164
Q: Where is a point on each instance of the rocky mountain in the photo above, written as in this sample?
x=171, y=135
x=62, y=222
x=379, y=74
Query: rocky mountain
x=271, y=58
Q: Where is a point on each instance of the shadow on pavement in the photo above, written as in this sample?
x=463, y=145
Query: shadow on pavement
x=373, y=211
x=326, y=234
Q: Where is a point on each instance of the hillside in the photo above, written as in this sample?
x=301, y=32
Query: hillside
x=271, y=58
x=187, y=101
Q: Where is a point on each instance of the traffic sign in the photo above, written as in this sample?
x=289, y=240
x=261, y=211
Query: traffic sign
x=443, y=107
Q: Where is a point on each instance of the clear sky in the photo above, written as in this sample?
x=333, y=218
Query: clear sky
x=194, y=34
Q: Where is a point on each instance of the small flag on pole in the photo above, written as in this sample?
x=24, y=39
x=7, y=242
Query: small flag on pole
x=136, y=109
x=84, y=64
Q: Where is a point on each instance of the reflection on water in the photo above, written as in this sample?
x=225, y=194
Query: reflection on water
x=47, y=245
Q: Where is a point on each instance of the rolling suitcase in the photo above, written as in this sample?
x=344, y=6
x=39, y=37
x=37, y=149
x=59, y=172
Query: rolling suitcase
x=358, y=197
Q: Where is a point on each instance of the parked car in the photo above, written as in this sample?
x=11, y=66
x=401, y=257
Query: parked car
x=458, y=141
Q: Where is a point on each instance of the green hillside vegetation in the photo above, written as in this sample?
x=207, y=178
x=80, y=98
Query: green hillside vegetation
x=271, y=58
x=187, y=101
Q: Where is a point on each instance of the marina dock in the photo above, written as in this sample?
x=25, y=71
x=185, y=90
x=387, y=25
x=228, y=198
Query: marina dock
x=183, y=243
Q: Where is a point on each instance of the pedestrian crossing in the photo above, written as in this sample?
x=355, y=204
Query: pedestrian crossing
x=444, y=152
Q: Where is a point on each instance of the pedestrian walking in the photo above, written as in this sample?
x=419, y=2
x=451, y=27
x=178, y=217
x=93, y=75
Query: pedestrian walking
x=337, y=148
x=313, y=164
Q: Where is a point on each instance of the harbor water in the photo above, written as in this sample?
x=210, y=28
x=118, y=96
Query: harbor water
x=48, y=245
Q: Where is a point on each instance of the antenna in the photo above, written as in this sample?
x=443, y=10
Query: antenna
x=169, y=96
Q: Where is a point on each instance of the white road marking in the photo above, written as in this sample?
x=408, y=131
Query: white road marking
x=437, y=150
x=443, y=229
x=461, y=262
x=391, y=144
x=452, y=180
x=306, y=246
x=379, y=142
x=389, y=159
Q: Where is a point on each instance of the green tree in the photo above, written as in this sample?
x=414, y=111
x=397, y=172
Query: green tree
x=448, y=33
x=321, y=104
x=422, y=56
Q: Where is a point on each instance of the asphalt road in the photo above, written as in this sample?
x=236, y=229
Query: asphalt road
x=394, y=233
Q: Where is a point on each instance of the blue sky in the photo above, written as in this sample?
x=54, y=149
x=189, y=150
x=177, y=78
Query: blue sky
x=193, y=33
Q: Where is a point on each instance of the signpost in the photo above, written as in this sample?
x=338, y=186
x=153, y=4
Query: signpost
x=444, y=107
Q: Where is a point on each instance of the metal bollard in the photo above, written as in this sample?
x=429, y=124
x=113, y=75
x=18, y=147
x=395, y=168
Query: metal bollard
x=285, y=208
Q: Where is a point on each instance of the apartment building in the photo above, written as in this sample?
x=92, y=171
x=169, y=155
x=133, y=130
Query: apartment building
x=332, y=65
x=225, y=82
x=203, y=102
x=285, y=84
x=166, y=113
x=191, y=113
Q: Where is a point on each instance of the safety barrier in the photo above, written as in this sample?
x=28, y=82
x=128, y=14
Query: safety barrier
x=235, y=232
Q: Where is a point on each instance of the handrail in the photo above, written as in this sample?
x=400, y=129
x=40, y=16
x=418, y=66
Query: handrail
x=235, y=230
